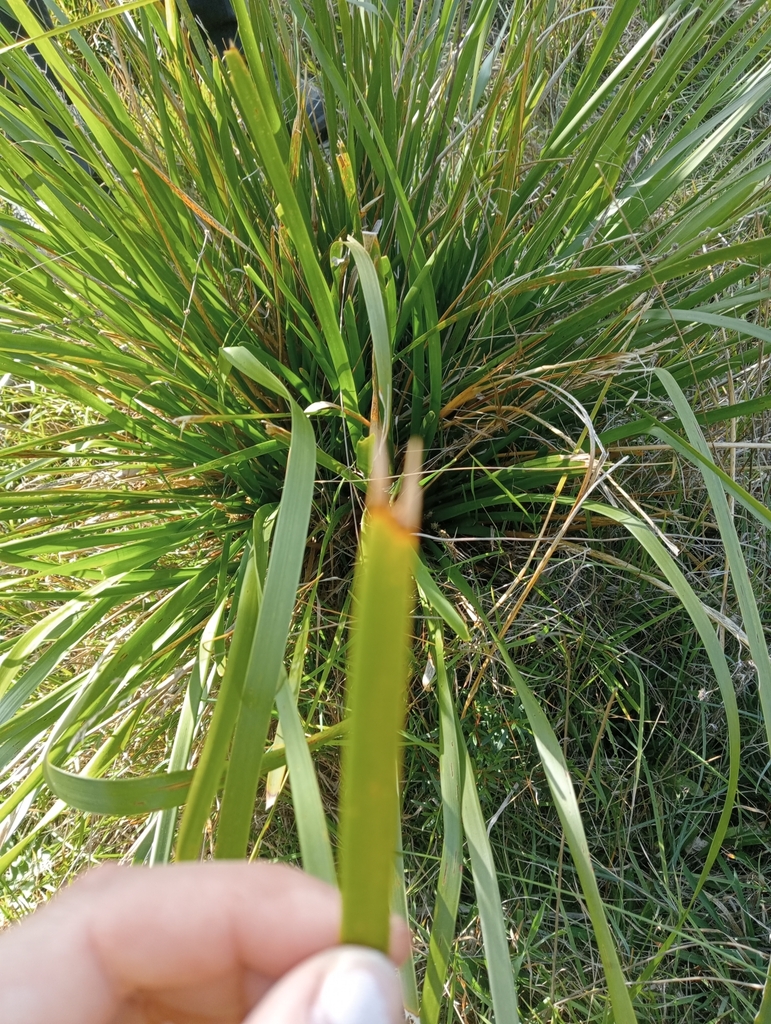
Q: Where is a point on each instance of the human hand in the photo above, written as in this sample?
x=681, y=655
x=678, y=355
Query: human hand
x=214, y=943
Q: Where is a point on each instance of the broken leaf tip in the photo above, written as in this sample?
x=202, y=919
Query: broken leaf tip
x=408, y=507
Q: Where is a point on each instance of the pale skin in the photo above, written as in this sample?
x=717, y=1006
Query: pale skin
x=218, y=943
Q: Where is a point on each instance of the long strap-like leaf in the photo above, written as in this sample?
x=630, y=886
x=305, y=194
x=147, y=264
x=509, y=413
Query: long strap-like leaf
x=563, y=794
x=265, y=660
x=693, y=606
x=451, y=865
x=312, y=831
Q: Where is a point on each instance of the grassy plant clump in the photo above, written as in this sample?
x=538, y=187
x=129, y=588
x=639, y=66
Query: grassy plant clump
x=536, y=238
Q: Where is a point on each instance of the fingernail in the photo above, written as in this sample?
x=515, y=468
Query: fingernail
x=362, y=988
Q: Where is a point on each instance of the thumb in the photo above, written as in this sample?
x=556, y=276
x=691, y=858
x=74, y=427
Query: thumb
x=346, y=985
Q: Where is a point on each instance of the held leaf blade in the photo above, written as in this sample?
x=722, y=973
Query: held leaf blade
x=377, y=674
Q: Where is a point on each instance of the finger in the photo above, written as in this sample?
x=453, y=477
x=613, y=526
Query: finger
x=172, y=925
x=124, y=930
x=220, y=931
x=348, y=985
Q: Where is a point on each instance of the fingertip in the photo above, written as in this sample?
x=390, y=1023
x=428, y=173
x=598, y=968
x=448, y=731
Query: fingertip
x=347, y=985
x=400, y=942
